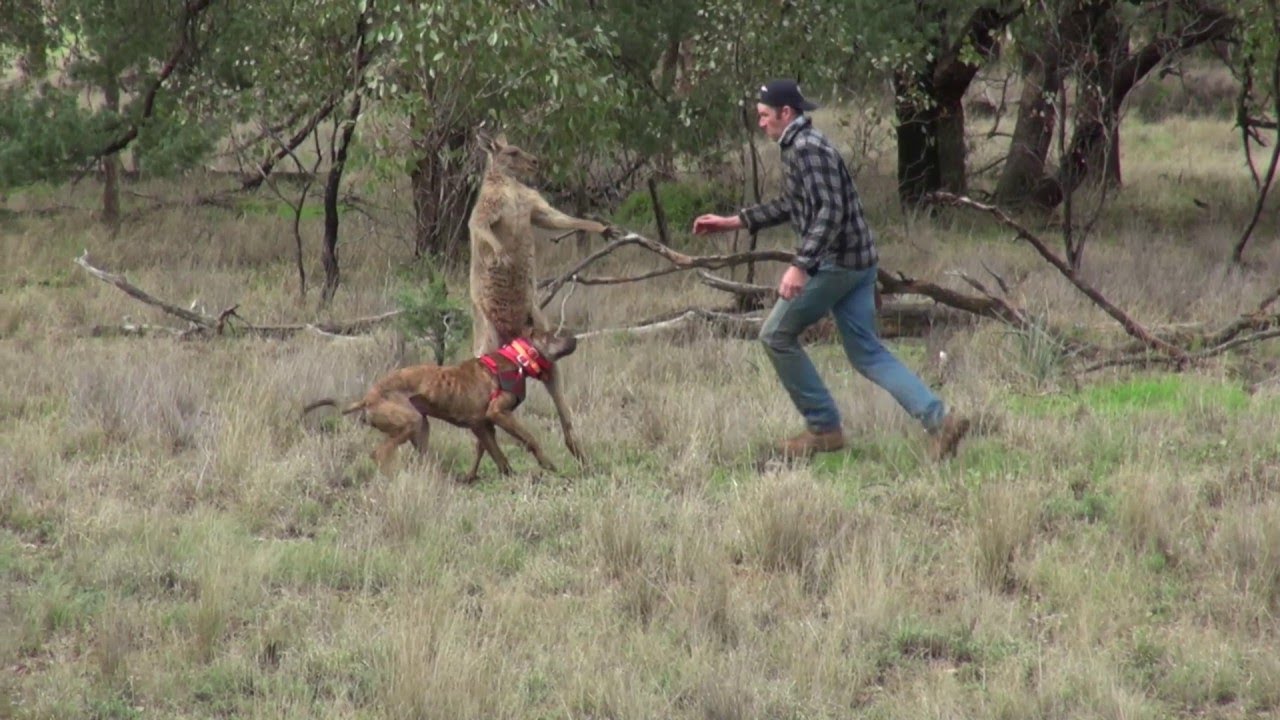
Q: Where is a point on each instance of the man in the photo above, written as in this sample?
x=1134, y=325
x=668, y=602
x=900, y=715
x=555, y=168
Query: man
x=834, y=271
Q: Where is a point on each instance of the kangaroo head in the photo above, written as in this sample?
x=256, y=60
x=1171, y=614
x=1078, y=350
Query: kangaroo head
x=507, y=158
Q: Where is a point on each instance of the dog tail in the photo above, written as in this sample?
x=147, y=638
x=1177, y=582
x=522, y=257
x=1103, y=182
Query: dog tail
x=330, y=402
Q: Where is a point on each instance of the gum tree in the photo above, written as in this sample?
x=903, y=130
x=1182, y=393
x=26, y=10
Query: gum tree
x=446, y=67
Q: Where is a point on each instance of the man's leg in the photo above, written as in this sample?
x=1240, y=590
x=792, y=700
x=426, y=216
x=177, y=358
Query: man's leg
x=855, y=316
x=781, y=338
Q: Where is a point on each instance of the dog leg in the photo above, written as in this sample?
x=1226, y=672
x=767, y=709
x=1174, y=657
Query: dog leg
x=508, y=422
x=399, y=421
x=552, y=383
x=421, y=435
x=383, y=454
x=486, y=441
x=470, y=477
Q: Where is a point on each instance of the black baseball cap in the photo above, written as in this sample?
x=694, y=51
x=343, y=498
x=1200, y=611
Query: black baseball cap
x=784, y=93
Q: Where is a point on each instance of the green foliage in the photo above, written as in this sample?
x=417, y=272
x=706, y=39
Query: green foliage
x=451, y=65
x=44, y=134
x=681, y=201
x=173, y=141
x=428, y=312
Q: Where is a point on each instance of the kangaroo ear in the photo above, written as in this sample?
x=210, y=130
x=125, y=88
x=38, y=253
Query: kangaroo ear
x=499, y=141
x=483, y=138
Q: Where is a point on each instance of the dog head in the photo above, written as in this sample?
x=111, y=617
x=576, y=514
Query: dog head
x=552, y=346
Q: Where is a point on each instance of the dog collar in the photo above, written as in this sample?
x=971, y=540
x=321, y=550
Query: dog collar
x=526, y=356
x=528, y=362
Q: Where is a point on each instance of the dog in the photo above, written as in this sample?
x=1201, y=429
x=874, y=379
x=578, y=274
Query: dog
x=478, y=394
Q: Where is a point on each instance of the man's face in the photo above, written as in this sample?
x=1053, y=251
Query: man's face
x=773, y=120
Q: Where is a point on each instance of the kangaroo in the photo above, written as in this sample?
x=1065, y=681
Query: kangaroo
x=503, y=272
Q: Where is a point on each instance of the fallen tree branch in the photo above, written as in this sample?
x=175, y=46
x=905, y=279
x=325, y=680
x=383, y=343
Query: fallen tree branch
x=1131, y=326
x=990, y=307
x=204, y=324
x=133, y=291
x=731, y=324
x=1149, y=359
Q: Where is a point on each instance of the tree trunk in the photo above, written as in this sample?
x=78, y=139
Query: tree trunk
x=1023, y=182
x=952, y=174
x=919, y=171
x=333, y=182
x=111, y=162
x=1096, y=37
x=443, y=190
x=1095, y=143
x=930, y=109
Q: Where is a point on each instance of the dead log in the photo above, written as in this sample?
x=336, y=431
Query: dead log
x=201, y=324
x=1131, y=326
x=990, y=306
x=896, y=319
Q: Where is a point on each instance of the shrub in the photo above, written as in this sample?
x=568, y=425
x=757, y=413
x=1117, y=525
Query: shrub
x=427, y=312
x=681, y=201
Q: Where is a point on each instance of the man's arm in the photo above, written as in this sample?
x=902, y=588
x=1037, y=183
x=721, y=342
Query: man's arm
x=752, y=218
x=764, y=215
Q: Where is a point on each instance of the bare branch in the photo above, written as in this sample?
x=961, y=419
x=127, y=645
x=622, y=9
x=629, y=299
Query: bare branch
x=190, y=11
x=1130, y=325
x=204, y=321
x=206, y=324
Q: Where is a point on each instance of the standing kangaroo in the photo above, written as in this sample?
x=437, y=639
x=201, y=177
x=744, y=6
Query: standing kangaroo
x=503, y=275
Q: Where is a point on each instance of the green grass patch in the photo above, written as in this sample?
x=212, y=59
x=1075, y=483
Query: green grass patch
x=1156, y=393
x=325, y=562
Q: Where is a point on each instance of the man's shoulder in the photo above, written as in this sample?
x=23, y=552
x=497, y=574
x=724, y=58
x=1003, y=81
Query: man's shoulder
x=810, y=137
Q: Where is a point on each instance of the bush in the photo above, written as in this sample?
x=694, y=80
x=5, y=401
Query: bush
x=428, y=313
x=681, y=201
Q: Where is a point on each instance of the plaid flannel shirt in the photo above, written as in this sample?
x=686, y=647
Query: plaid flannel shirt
x=821, y=202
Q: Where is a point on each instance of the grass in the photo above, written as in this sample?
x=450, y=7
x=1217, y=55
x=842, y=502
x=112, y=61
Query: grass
x=175, y=542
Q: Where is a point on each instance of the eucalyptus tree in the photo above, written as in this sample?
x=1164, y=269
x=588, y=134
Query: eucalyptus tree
x=447, y=66
x=1257, y=63
x=1102, y=50
x=68, y=47
x=931, y=50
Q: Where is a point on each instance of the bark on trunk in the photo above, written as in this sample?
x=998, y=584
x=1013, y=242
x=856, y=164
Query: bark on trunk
x=919, y=171
x=111, y=163
x=338, y=163
x=930, y=109
x=442, y=195
x=1024, y=181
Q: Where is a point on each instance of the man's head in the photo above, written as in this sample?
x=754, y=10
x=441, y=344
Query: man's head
x=780, y=102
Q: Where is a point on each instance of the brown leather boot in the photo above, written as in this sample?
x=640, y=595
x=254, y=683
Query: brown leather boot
x=809, y=443
x=946, y=438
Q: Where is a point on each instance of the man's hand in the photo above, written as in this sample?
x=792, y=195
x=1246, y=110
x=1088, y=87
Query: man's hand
x=792, y=282
x=707, y=224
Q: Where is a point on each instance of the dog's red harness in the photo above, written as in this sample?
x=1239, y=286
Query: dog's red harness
x=528, y=363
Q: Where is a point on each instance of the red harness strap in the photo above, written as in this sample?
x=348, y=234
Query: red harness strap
x=528, y=362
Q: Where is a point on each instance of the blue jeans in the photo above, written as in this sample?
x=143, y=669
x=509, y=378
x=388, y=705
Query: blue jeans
x=850, y=297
